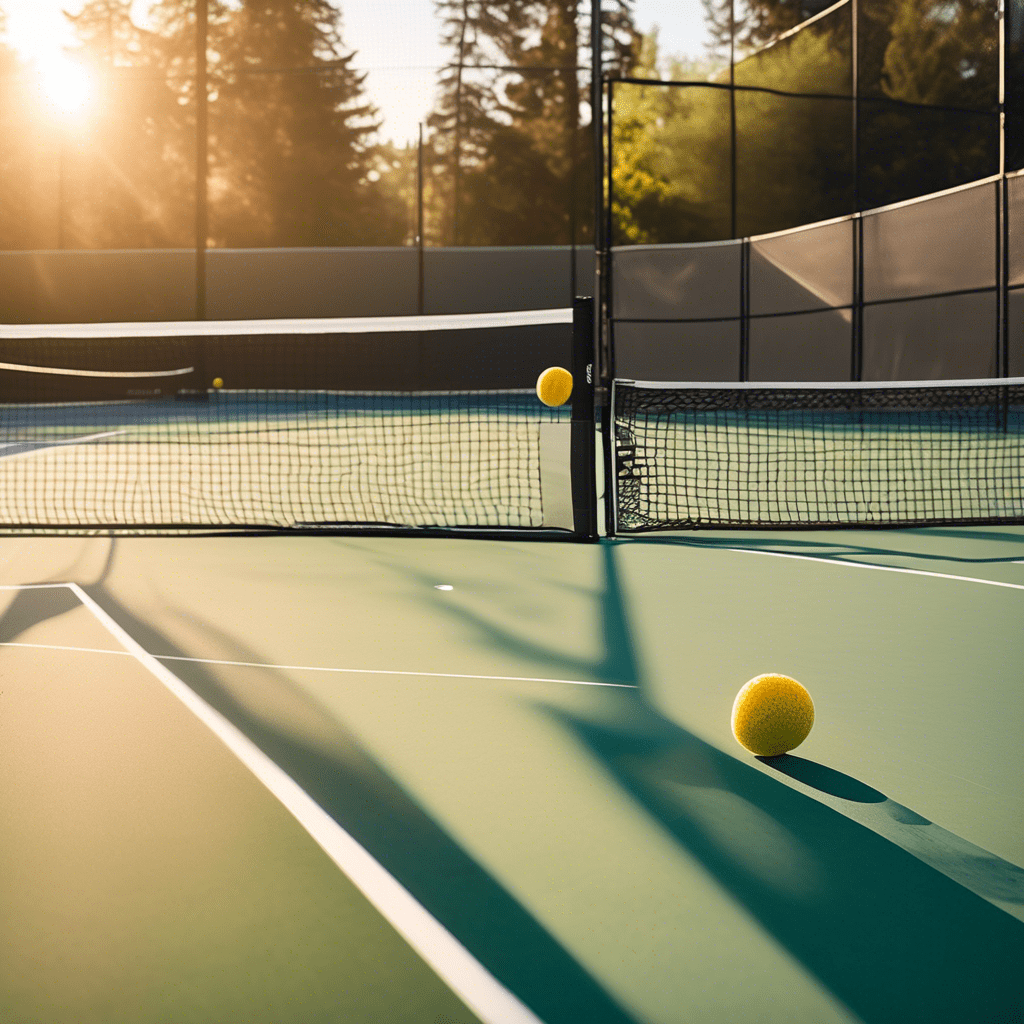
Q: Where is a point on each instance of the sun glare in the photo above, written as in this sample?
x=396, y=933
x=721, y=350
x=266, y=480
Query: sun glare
x=68, y=86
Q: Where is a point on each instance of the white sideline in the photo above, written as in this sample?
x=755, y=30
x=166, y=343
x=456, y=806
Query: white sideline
x=449, y=959
x=880, y=568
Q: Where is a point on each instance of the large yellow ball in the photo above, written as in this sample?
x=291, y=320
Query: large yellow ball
x=772, y=714
x=554, y=386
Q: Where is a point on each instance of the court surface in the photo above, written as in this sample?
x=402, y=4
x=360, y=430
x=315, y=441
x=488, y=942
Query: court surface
x=292, y=780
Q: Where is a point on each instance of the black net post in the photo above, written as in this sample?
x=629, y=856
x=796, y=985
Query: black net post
x=857, y=312
x=584, y=491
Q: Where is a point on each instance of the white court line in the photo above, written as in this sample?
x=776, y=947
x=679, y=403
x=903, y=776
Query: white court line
x=395, y=672
x=61, y=647
x=69, y=440
x=321, y=668
x=35, y=586
x=48, y=446
x=881, y=568
x=449, y=959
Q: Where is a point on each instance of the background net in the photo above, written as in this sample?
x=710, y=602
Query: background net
x=424, y=422
x=824, y=456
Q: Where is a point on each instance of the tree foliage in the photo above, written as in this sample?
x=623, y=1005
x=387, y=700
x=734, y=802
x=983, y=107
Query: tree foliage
x=514, y=161
x=296, y=159
x=19, y=218
x=129, y=176
x=744, y=27
x=670, y=159
x=293, y=157
x=929, y=75
x=928, y=82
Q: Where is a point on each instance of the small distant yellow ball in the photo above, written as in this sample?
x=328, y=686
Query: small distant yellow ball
x=217, y=382
x=554, y=386
x=772, y=714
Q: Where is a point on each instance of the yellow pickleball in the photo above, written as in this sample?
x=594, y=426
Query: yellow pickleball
x=217, y=382
x=554, y=386
x=772, y=714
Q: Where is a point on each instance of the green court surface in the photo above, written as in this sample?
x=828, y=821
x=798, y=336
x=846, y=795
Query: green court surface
x=291, y=780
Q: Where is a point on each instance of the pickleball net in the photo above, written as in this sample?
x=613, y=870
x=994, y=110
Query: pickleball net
x=411, y=422
x=692, y=456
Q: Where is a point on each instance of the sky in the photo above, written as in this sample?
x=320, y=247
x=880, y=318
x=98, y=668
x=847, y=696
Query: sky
x=396, y=42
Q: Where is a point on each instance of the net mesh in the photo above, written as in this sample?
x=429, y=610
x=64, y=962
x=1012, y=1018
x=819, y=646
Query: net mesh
x=155, y=447
x=836, y=455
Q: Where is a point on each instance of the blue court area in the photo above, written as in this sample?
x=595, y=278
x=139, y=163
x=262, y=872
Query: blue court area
x=302, y=779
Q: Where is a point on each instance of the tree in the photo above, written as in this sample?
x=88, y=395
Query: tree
x=30, y=157
x=291, y=134
x=19, y=220
x=130, y=179
x=292, y=154
x=750, y=26
x=929, y=72
x=510, y=146
x=672, y=148
x=670, y=158
x=928, y=77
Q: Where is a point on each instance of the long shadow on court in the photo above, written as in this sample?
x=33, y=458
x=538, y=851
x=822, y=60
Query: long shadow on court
x=890, y=936
x=973, y=867
x=30, y=607
x=352, y=787
x=893, y=938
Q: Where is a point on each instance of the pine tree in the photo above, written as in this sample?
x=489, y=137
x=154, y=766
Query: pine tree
x=130, y=181
x=291, y=134
x=20, y=226
x=292, y=153
x=512, y=154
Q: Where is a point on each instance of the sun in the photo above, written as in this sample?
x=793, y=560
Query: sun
x=67, y=86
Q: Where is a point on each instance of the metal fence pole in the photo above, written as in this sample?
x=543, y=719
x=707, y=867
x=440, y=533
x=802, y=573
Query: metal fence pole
x=202, y=156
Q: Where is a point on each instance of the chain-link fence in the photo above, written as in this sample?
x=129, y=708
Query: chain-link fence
x=766, y=214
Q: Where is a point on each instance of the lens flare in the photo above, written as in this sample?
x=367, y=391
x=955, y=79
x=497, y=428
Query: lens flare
x=67, y=86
